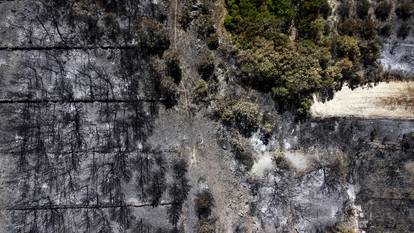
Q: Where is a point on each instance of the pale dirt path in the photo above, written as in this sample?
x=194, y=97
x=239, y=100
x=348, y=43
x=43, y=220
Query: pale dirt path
x=175, y=23
x=394, y=100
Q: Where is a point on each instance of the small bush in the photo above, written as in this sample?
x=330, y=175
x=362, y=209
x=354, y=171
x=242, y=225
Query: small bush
x=206, y=67
x=154, y=38
x=169, y=92
x=404, y=30
x=386, y=30
x=313, y=29
x=173, y=64
x=349, y=27
x=368, y=29
x=348, y=47
x=344, y=9
x=201, y=90
x=408, y=141
x=292, y=70
x=203, y=204
x=185, y=19
x=339, y=228
x=405, y=10
x=382, y=11
x=245, y=158
x=371, y=51
x=206, y=226
x=213, y=41
x=362, y=8
x=282, y=162
x=244, y=115
x=365, y=29
x=205, y=26
x=338, y=170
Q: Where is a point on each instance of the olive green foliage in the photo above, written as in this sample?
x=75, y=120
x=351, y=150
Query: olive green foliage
x=315, y=61
x=201, y=90
x=340, y=228
x=245, y=115
x=292, y=74
x=251, y=17
x=370, y=50
x=206, y=226
x=405, y=10
x=366, y=29
x=242, y=155
x=270, y=18
x=348, y=47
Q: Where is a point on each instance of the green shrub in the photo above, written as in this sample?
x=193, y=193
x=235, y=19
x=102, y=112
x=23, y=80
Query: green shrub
x=313, y=29
x=244, y=115
x=206, y=226
x=292, y=75
x=368, y=30
x=282, y=8
x=315, y=61
x=405, y=10
x=245, y=16
x=347, y=47
x=201, y=90
x=341, y=228
x=230, y=23
x=371, y=51
x=315, y=8
x=349, y=27
x=382, y=11
x=346, y=67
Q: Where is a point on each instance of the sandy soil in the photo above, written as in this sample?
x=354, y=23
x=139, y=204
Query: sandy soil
x=385, y=100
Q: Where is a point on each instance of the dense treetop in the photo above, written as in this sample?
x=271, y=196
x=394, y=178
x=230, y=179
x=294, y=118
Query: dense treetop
x=292, y=49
